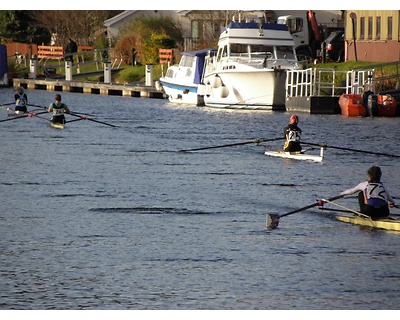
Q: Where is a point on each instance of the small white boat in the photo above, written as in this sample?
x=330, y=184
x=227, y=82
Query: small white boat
x=297, y=155
x=249, y=70
x=181, y=82
x=13, y=113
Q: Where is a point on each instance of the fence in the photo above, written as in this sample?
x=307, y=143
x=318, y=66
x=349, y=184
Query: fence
x=315, y=82
x=57, y=52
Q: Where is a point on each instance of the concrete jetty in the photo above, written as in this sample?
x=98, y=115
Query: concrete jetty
x=130, y=90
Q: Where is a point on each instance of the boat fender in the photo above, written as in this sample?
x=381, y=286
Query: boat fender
x=388, y=100
x=216, y=82
x=373, y=107
x=224, y=91
x=201, y=89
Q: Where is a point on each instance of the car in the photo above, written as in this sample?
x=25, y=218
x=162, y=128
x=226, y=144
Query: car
x=334, y=45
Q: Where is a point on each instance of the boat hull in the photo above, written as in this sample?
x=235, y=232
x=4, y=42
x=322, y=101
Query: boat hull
x=296, y=155
x=351, y=105
x=262, y=89
x=57, y=125
x=386, y=224
x=13, y=113
x=178, y=93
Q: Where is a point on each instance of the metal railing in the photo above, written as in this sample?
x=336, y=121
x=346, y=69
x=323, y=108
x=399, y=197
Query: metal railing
x=91, y=59
x=315, y=82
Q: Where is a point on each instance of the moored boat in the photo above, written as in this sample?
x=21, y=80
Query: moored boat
x=351, y=105
x=386, y=224
x=382, y=105
x=378, y=105
x=181, y=82
x=297, y=155
x=249, y=70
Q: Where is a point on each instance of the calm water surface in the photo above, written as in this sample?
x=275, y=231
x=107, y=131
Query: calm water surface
x=95, y=217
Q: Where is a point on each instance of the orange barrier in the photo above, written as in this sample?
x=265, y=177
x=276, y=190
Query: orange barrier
x=166, y=56
x=56, y=52
x=50, y=52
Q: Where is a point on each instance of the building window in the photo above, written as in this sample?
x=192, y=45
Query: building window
x=370, y=28
x=195, y=29
x=390, y=28
x=378, y=28
x=362, y=28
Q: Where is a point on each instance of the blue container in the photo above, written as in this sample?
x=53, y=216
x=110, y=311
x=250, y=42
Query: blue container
x=3, y=61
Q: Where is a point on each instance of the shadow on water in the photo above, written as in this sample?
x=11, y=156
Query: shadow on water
x=151, y=210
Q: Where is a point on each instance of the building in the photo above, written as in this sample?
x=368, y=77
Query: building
x=201, y=28
x=372, y=35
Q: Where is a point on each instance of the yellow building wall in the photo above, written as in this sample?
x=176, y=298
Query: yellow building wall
x=376, y=49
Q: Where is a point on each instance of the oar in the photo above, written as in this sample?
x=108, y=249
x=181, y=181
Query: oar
x=350, y=149
x=35, y=105
x=89, y=119
x=233, y=144
x=36, y=116
x=6, y=104
x=334, y=210
x=272, y=220
x=349, y=210
x=24, y=116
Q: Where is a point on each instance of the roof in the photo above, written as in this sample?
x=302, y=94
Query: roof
x=118, y=17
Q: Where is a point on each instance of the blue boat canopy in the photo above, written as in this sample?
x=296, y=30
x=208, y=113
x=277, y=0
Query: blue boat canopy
x=200, y=53
x=200, y=61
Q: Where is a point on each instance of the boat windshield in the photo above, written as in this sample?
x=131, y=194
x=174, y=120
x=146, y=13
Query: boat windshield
x=285, y=52
x=251, y=50
x=186, y=61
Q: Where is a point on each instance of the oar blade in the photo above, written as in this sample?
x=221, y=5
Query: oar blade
x=272, y=221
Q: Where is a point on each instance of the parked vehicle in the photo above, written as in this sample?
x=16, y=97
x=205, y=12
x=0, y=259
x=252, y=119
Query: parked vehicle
x=334, y=45
x=308, y=33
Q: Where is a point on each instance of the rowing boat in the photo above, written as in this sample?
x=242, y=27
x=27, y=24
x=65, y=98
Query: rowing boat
x=57, y=125
x=13, y=113
x=297, y=155
x=385, y=223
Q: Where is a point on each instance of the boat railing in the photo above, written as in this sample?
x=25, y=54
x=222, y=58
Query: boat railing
x=315, y=82
x=356, y=81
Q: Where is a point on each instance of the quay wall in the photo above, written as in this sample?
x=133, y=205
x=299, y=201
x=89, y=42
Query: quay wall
x=90, y=88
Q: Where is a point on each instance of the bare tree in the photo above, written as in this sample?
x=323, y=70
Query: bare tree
x=81, y=25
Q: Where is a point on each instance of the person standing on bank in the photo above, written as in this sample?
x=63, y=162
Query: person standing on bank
x=292, y=135
x=70, y=49
x=21, y=99
x=58, y=108
x=373, y=197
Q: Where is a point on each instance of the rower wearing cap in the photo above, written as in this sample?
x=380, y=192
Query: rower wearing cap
x=292, y=135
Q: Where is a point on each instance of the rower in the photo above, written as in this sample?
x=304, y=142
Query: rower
x=58, y=108
x=373, y=197
x=292, y=135
x=21, y=99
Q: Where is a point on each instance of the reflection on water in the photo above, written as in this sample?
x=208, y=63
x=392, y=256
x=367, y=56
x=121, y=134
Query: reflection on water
x=95, y=217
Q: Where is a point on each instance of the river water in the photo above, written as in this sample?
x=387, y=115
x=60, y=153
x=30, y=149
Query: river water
x=96, y=217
